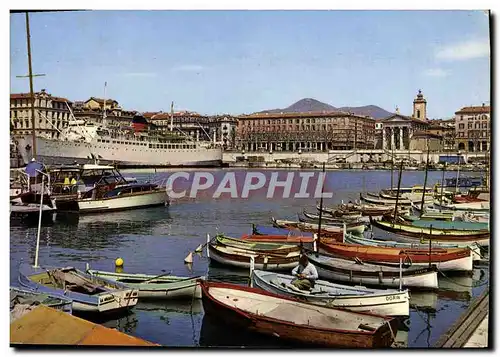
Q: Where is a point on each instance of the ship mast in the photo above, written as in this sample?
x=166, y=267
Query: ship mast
x=30, y=76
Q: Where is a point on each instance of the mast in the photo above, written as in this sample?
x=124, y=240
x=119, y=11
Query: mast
x=32, y=95
x=392, y=169
x=172, y=116
x=442, y=186
x=397, y=192
x=425, y=180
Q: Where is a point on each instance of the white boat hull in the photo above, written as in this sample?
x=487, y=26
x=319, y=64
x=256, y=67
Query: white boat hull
x=113, y=302
x=51, y=151
x=192, y=292
x=138, y=200
x=391, y=303
x=425, y=281
x=464, y=264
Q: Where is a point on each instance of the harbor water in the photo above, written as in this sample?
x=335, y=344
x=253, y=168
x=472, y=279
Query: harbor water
x=156, y=240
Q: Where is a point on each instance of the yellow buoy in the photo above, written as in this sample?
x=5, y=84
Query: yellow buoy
x=119, y=262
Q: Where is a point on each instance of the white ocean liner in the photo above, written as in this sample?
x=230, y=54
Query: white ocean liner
x=82, y=141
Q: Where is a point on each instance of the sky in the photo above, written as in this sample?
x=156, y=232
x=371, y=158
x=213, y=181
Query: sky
x=237, y=62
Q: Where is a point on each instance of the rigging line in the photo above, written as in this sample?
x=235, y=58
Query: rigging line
x=49, y=121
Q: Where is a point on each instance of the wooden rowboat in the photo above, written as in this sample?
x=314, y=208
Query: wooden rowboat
x=451, y=259
x=339, y=212
x=409, y=229
x=373, y=210
x=353, y=239
x=154, y=286
x=385, y=202
x=338, y=269
x=21, y=299
x=90, y=294
x=275, y=231
x=240, y=258
x=259, y=311
x=256, y=246
x=470, y=206
x=326, y=231
x=356, y=227
x=354, y=298
x=277, y=239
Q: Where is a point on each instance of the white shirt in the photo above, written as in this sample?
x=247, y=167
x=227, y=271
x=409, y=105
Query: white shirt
x=309, y=271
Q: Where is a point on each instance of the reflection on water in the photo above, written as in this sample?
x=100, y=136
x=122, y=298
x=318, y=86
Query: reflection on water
x=154, y=240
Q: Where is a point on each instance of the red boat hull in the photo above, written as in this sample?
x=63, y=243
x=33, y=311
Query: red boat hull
x=392, y=255
x=309, y=335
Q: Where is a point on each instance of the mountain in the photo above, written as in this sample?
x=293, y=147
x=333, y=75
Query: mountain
x=370, y=110
x=304, y=105
x=313, y=105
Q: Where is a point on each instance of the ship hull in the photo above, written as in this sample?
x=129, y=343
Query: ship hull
x=52, y=152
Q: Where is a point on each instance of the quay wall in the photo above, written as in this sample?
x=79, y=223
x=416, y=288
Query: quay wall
x=348, y=156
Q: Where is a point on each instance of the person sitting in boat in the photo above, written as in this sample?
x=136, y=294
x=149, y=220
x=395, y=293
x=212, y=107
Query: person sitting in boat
x=66, y=183
x=305, y=273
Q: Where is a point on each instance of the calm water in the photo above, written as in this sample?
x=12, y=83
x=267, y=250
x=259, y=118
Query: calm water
x=158, y=239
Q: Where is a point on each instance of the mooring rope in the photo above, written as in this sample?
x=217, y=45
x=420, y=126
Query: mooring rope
x=480, y=283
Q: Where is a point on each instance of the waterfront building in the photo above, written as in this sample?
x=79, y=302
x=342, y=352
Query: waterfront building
x=472, y=127
x=191, y=124
x=219, y=128
x=308, y=131
x=446, y=129
x=379, y=126
x=103, y=111
x=398, y=130
x=224, y=128
x=51, y=114
x=423, y=140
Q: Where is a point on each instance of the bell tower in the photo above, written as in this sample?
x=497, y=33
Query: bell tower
x=420, y=107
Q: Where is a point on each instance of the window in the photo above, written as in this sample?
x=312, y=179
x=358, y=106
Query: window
x=469, y=126
x=461, y=117
x=461, y=126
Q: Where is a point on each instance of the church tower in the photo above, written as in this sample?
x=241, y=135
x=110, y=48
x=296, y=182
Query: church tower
x=420, y=107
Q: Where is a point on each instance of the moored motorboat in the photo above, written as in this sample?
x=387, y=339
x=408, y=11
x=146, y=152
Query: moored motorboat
x=357, y=298
x=260, y=311
x=445, y=259
x=128, y=196
x=163, y=286
x=338, y=269
x=89, y=294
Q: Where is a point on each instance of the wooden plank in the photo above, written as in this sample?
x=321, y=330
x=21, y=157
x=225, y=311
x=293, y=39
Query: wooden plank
x=468, y=327
x=47, y=326
x=465, y=326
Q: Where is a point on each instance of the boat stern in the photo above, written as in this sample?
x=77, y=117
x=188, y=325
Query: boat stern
x=117, y=300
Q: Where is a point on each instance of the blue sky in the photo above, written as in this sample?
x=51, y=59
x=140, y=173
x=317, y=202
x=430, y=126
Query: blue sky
x=246, y=61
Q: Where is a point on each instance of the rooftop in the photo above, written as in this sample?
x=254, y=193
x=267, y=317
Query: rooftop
x=480, y=109
x=322, y=114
